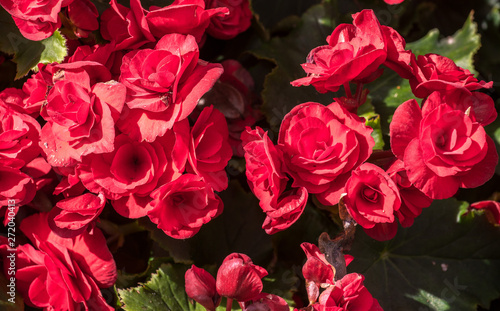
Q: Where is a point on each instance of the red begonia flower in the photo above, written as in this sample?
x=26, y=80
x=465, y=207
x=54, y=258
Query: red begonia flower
x=239, y=279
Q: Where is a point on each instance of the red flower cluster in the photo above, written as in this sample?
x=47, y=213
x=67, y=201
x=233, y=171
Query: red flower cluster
x=343, y=294
x=142, y=124
x=131, y=27
x=237, y=279
x=437, y=149
x=113, y=126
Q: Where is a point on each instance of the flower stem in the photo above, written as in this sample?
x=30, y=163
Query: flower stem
x=359, y=92
x=229, y=305
x=347, y=88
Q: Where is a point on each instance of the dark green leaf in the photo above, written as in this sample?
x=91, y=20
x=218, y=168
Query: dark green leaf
x=437, y=264
x=271, y=13
x=11, y=38
x=283, y=283
x=461, y=47
x=308, y=228
x=125, y=279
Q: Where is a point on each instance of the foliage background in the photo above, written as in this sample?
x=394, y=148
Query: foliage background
x=443, y=262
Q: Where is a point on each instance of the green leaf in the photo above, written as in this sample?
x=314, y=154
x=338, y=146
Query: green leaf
x=373, y=121
x=52, y=49
x=461, y=47
x=27, y=53
x=436, y=264
x=288, y=53
x=11, y=36
x=463, y=212
x=164, y=291
x=129, y=279
x=390, y=90
x=55, y=49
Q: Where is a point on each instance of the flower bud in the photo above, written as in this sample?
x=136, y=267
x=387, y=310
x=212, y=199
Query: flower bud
x=238, y=278
x=200, y=286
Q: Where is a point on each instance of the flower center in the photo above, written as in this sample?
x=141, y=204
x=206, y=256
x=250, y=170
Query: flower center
x=370, y=194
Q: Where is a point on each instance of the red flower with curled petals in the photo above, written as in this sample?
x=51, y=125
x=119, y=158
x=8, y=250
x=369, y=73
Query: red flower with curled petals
x=89, y=249
x=182, y=16
x=321, y=145
x=164, y=85
x=228, y=26
x=16, y=188
x=348, y=294
x=134, y=169
x=19, y=135
x=354, y=54
x=74, y=215
x=182, y=206
x=83, y=15
x=372, y=196
x=50, y=277
x=37, y=20
x=81, y=110
x=398, y=58
x=317, y=271
x=287, y=211
x=14, y=99
x=478, y=106
x=433, y=72
x=264, y=167
x=209, y=149
x=266, y=178
x=413, y=201
x=126, y=27
x=443, y=149
x=62, y=273
x=239, y=279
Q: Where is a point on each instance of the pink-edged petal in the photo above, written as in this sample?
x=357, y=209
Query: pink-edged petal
x=482, y=171
x=200, y=81
x=132, y=206
x=112, y=93
x=423, y=178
